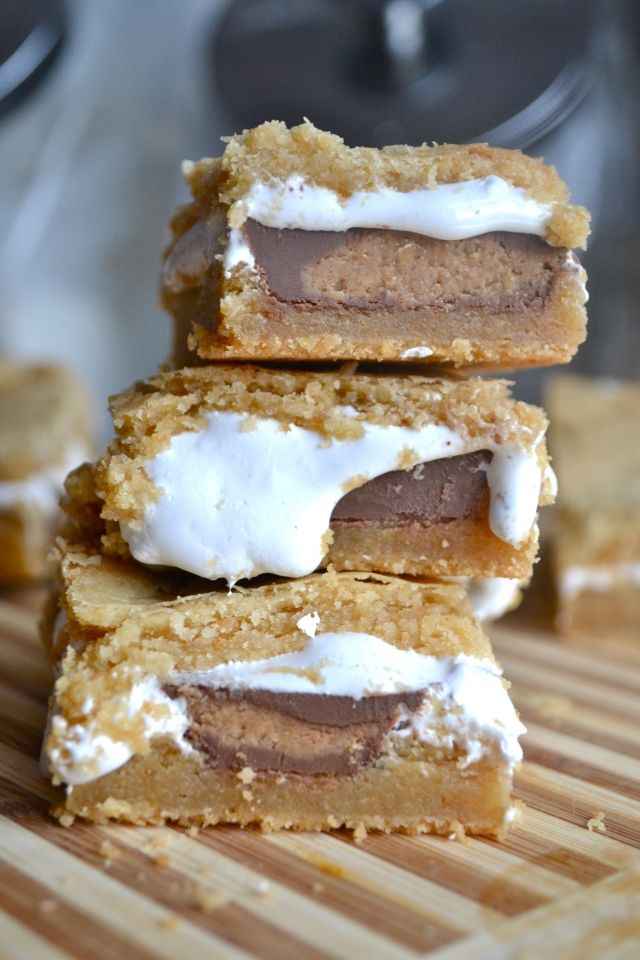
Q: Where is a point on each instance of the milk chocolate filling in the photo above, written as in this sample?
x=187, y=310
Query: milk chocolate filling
x=374, y=269
x=304, y=733
x=435, y=492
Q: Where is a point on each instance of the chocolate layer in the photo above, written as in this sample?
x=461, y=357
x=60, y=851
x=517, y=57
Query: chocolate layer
x=291, y=733
x=448, y=489
x=372, y=269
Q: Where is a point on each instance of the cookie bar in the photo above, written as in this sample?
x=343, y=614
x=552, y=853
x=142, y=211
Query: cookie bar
x=232, y=472
x=596, y=543
x=298, y=247
x=44, y=431
x=335, y=700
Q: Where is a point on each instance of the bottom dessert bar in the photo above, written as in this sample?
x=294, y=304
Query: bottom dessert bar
x=596, y=530
x=353, y=700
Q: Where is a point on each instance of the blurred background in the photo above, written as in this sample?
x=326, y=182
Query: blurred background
x=100, y=100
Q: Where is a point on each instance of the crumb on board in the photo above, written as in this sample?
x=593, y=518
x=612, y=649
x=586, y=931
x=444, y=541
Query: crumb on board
x=457, y=833
x=359, y=833
x=318, y=887
x=66, y=820
x=170, y=922
x=159, y=841
x=48, y=905
x=208, y=898
x=193, y=831
x=108, y=851
x=161, y=860
x=596, y=822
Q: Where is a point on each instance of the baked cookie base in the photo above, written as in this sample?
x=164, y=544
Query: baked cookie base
x=250, y=324
x=456, y=548
x=407, y=796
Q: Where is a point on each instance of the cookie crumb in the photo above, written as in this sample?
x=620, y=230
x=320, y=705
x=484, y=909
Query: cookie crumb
x=246, y=775
x=318, y=887
x=208, y=899
x=162, y=861
x=109, y=852
x=359, y=833
x=159, y=841
x=596, y=822
x=170, y=923
x=193, y=832
x=48, y=905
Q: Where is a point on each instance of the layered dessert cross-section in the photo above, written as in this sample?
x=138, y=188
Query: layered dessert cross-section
x=298, y=247
x=45, y=431
x=596, y=525
x=233, y=472
x=335, y=700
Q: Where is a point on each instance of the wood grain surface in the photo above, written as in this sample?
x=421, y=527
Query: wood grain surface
x=565, y=883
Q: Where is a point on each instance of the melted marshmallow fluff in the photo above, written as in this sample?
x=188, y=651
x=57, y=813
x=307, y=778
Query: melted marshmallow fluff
x=359, y=665
x=84, y=752
x=478, y=715
x=448, y=211
x=490, y=597
x=235, y=503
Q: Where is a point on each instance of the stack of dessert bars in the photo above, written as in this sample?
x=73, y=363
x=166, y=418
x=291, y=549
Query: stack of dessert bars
x=264, y=604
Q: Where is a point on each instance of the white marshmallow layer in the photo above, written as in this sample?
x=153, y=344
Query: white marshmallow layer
x=478, y=715
x=448, y=211
x=240, y=498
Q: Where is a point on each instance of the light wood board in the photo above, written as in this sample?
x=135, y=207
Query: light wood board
x=553, y=889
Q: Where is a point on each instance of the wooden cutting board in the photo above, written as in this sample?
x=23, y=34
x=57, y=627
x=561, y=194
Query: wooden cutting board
x=565, y=883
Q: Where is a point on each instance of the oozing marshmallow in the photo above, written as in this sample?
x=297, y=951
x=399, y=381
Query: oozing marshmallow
x=84, y=752
x=240, y=498
x=490, y=597
x=448, y=211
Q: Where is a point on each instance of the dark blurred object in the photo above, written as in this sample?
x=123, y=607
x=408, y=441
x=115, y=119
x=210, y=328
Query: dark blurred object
x=31, y=36
x=406, y=71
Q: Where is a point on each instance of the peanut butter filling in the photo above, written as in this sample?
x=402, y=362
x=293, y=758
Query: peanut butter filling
x=302, y=733
x=376, y=269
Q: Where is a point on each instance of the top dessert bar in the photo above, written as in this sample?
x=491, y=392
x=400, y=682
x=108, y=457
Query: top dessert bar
x=45, y=430
x=596, y=449
x=298, y=247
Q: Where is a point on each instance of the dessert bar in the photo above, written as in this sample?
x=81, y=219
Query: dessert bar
x=44, y=432
x=334, y=700
x=298, y=247
x=232, y=472
x=596, y=529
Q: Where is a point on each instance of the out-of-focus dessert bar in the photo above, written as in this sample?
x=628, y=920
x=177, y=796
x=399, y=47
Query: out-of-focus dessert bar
x=297, y=247
x=596, y=525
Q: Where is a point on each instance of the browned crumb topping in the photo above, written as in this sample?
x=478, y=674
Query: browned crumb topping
x=272, y=151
